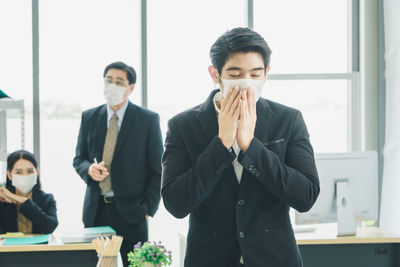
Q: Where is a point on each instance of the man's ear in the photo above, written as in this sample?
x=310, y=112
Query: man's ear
x=131, y=87
x=266, y=72
x=214, y=74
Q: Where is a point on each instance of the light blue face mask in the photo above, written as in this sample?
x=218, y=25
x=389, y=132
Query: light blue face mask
x=243, y=85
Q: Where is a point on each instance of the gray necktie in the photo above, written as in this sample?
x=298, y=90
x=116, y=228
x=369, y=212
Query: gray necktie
x=108, y=152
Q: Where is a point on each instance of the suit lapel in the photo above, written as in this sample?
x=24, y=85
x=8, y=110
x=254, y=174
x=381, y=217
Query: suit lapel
x=101, y=132
x=208, y=118
x=127, y=123
x=264, y=115
x=209, y=124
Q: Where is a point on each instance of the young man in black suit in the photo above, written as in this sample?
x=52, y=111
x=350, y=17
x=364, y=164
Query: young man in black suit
x=118, y=156
x=237, y=162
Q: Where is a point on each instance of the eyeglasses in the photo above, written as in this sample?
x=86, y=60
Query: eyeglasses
x=117, y=82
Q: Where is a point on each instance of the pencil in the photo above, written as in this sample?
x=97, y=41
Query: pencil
x=95, y=161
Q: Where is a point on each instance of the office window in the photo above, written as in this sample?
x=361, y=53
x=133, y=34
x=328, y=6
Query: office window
x=323, y=104
x=311, y=38
x=178, y=43
x=16, y=69
x=307, y=36
x=77, y=40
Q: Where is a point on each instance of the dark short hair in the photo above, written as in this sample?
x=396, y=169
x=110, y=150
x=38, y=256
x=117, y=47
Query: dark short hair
x=119, y=65
x=14, y=157
x=238, y=40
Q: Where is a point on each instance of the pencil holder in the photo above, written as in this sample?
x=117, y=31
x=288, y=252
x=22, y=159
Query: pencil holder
x=108, y=261
x=108, y=250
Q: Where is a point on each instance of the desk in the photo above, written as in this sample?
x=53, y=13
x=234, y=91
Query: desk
x=48, y=255
x=370, y=247
x=322, y=248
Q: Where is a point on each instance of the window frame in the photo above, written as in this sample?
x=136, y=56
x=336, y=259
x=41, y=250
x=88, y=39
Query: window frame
x=354, y=100
x=354, y=114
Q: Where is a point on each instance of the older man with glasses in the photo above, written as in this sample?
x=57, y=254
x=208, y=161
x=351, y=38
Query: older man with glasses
x=118, y=157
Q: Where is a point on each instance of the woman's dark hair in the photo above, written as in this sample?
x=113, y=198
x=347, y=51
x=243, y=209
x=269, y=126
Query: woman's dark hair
x=238, y=40
x=14, y=157
x=131, y=73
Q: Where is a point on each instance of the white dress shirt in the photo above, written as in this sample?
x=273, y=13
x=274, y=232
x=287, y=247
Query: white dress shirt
x=120, y=114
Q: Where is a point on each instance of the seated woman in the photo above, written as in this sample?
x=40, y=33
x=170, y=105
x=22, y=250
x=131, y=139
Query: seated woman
x=24, y=207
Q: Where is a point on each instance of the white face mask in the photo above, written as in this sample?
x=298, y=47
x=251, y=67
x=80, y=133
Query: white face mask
x=24, y=183
x=243, y=85
x=114, y=94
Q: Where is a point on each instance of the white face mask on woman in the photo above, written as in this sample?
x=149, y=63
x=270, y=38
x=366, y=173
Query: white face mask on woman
x=114, y=94
x=24, y=183
x=243, y=85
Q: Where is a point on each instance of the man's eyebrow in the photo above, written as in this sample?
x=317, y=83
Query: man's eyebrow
x=233, y=68
x=118, y=78
x=239, y=69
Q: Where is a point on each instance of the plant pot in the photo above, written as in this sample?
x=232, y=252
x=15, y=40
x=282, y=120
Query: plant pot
x=149, y=264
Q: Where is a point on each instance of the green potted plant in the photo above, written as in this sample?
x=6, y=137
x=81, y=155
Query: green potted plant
x=148, y=255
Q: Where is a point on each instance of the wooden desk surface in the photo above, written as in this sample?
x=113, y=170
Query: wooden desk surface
x=45, y=247
x=365, y=235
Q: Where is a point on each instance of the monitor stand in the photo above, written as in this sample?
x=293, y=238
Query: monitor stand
x=345, y=216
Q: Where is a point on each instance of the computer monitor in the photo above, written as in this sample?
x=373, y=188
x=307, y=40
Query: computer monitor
x=349, y=191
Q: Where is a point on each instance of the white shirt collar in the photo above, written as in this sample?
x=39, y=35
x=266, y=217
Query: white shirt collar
x=217, y=97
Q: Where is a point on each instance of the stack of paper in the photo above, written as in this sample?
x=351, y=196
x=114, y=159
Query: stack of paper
x=87, y=235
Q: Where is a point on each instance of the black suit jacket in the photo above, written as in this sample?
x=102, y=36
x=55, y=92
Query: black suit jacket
x=228, y=219
x=135, y=167
x=41, y=210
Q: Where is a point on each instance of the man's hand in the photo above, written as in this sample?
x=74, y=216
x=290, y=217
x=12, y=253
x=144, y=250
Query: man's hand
x=228, y=117
x=248, y=118
x=98, y=171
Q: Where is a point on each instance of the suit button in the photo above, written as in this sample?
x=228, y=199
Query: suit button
x=241, y=234
x=241, y=202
